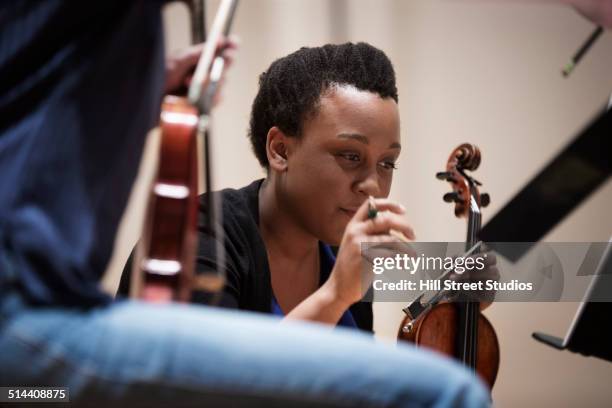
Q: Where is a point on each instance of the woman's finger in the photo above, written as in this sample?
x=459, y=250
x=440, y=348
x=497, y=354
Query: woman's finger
x=385, y=221
x=381, y=204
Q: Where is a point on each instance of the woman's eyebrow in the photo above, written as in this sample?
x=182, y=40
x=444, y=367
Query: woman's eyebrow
x=354, y=136
x=364, y=139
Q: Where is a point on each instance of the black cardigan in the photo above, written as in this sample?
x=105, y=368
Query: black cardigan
x=248, y=285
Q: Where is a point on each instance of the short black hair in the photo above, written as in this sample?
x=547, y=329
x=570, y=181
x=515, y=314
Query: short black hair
x=290, y=90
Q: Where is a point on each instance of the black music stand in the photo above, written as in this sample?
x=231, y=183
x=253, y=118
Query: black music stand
x=582, y=167
x=591, y=331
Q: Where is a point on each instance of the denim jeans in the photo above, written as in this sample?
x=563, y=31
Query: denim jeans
x=132, y=353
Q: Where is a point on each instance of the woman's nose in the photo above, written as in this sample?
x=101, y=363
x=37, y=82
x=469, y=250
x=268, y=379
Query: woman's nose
x=369, y=185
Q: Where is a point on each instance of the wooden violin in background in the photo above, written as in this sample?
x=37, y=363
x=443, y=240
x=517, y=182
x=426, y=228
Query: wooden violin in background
x=458, y=329
x=163, y=269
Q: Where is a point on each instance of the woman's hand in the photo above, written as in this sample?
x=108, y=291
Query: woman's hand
x=347, y=284
x=348, y=280
x=489, y=272
x=598, y=11
x=181, y=65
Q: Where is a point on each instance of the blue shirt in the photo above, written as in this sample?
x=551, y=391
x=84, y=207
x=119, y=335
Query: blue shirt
x=80, y=85
x=327, y=261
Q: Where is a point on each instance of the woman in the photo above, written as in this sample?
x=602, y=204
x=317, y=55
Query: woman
x=325, y=126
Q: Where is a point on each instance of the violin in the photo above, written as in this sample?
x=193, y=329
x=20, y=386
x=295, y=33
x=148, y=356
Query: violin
x=163, y=270
x=458, y=329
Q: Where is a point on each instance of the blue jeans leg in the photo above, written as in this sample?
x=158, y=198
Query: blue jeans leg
x=179, y=354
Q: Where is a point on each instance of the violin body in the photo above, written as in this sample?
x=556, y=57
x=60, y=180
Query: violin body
x=166, y=252
x=163, y=270
x=438, y=329
x=164, y=267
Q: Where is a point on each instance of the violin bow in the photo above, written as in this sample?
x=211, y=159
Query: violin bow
x=204, y=86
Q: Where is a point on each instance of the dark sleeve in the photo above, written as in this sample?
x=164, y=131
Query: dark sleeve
x=243, y=284
x=207, y=262
x=363, y=315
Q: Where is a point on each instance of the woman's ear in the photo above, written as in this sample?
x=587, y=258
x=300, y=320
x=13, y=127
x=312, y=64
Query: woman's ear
x=276, y=149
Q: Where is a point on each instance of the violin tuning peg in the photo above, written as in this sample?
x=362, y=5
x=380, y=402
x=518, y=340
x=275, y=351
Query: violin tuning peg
x=452, y=197
x=478, y=183
x=444, y=175
x=485, y=200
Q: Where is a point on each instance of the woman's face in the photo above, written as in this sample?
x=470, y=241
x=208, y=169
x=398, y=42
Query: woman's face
x=347, y=152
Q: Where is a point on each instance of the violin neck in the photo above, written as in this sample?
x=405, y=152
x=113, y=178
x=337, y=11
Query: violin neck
x=467, y=340
x=474, y=223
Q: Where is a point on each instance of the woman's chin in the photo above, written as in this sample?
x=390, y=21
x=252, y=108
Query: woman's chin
x=335, y=237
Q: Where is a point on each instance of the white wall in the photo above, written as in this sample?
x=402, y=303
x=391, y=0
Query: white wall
x=477, y=71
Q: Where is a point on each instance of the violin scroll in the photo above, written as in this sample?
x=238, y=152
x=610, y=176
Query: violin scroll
x=465, y=157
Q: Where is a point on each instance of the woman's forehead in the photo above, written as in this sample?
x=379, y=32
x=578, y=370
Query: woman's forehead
x=348, y=110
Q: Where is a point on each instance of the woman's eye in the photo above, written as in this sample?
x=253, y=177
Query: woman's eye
x=350, y=156
x=389, y=165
